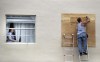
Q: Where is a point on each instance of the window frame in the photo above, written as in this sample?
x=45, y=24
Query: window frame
x=34, y=28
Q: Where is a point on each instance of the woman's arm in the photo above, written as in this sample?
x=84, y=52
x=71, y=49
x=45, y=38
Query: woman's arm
x=10, y=37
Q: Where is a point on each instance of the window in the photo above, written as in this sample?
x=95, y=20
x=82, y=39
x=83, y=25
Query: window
x=20, y=28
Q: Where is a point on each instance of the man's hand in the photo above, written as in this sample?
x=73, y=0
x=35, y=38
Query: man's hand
x=84, y=23
x=87, y=19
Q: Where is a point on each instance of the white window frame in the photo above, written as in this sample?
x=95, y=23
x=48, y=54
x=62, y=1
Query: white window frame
x=21, y=29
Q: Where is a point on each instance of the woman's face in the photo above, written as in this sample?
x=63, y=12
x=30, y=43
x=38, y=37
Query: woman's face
x=12, y=30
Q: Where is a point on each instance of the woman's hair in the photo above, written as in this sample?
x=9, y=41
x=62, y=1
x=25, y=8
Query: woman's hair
x=79, y=20
x=12, y=26
x=9, y=30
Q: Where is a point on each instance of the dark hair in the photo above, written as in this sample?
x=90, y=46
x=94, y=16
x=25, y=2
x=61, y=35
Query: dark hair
x=9, y=30
x=79, y=20
x=12, y=26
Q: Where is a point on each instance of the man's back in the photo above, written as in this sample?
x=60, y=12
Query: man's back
x=80, y=28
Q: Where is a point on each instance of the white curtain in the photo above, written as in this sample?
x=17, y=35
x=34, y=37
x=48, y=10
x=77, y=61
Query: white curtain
x=17, y=31
x=22, y=32
x=30, y=33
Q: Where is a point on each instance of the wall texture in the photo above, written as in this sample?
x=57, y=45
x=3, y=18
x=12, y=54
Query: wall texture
x=48, y=29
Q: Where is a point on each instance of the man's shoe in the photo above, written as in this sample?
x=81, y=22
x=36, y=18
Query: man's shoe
x=85, y=53
x=80, y=54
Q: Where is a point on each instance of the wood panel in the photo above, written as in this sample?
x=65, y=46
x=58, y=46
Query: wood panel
x=69, y=25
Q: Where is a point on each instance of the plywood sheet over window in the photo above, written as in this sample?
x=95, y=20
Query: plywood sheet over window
x=69, y=25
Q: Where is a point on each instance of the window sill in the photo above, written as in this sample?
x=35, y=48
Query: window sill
x=18, y=43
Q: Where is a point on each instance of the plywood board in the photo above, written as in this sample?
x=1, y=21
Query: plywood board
x=69, y=25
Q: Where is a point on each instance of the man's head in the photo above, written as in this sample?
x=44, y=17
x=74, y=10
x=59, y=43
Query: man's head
x=79, y=20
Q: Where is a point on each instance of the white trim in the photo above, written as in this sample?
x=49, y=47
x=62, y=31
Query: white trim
x=19, y=35
x=21, y=20
x=20, y=28
x=18, y=43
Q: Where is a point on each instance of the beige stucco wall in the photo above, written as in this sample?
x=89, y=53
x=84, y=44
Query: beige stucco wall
x=48, y=29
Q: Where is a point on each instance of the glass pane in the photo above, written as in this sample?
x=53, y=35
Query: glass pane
x=23, y=32
x=30, y=25
x=30, y=39
x=23, y=39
